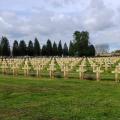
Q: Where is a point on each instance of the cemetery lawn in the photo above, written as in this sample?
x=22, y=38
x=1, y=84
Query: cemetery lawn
x=44, y=99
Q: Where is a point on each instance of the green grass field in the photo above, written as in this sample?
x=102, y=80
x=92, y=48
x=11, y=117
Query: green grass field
x=40, y=99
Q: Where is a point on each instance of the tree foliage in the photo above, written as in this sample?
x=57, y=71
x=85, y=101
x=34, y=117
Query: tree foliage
x=22, y=48
x=44, y=50
x=71, y=49
x=60, y=49
x=37, y=49
x=55, y=49
x=65, y=50
x=80, y=46
x=30, y=49
x=5, y=47
x=49, y=48
x=15, y=49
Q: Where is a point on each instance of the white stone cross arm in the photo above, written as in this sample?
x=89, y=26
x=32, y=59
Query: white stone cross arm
x=81, y=72
x=51, y=70
x=116, y=72
x=26, y=69
x=98, y=71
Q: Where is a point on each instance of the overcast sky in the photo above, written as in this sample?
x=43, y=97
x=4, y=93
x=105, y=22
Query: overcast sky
x=58, y=19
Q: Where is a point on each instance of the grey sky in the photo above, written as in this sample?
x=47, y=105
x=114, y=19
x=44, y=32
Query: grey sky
x=58, y=19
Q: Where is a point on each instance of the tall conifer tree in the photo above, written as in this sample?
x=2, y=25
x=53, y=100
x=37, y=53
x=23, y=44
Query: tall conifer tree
x=37, y=49
x=30, y=49
x=60, y=50
x=15, y=49
x=5, y=47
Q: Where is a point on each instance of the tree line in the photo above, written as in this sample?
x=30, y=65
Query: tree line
x=79, y=46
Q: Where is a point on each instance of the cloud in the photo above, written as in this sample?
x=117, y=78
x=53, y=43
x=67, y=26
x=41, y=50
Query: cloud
x=98, y=17
x=58, y=19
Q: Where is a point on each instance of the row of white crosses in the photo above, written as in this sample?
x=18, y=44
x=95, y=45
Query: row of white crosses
x=74, y=62
x=108, y=62
x=9, y=64
x=96, y=69
x=65, y=69
x=39, y=64
x=26, y=68
x=4, y=67
x=52, y=68
x=66, y=65
x=82, y=69
x=113, y=60
x=38, y=68
x=14, y=65
x=117, y=72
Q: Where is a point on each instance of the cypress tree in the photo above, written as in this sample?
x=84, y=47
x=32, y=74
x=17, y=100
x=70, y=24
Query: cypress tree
x=49, y=48
x=71, y=49
x=91, y=50
x=60, y=50
x=44, y=51
x=65, y=50
x=30, y=49
x=55, y=49
x=0, y=50
x=5, y=47
x=37, y=50
x=22, y=48
x=15, y=49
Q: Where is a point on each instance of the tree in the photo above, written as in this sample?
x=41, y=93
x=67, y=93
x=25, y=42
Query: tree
x=49, y=48
x=15, y=49
x=22, y=48
x=60, y=50
x=5, y=47
x=55, y=49
x=92, y=51
x=65, y=50
x=37, y=50
x=44, y=51
x=30, y=49
x=81, y=43
x=71, y=49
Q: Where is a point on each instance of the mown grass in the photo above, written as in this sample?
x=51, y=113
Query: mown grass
x=45, y=99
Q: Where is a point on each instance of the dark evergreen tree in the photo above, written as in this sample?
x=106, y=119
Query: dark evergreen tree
x=92, y=51
x=44, y=50
x=71, y=49
x=5, y=47
x=15, y=49
x=49, y=48
x=22, y=48
x=81, y=43
x=55, y=49
x=30, y=49
x=60, y=50
x=0, y=50
x=65, y=50
x=37, y=49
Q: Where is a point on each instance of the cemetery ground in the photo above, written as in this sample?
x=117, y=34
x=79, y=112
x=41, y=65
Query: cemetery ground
x=31, y=98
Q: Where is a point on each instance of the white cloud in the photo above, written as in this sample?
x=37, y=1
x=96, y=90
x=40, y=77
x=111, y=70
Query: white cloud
x=58, y=19
x=98, y=17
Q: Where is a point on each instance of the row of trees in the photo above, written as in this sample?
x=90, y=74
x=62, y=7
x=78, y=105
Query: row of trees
x=32, y=49
x=80, y=46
